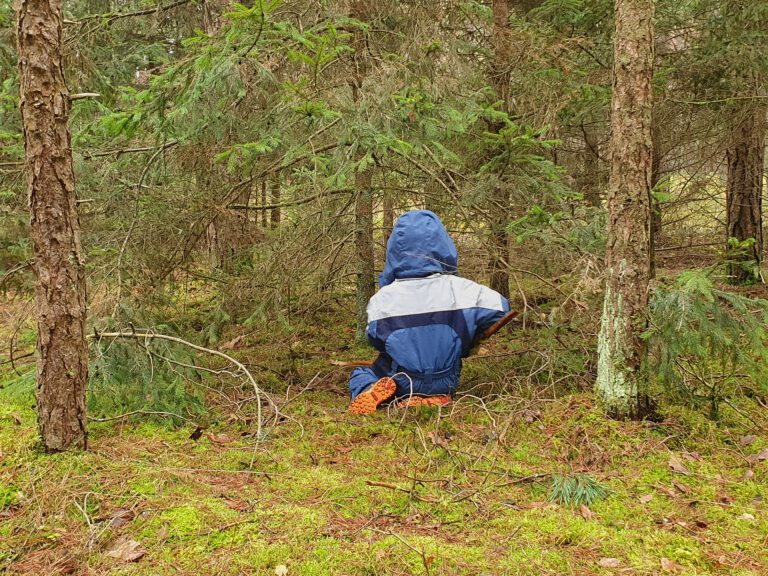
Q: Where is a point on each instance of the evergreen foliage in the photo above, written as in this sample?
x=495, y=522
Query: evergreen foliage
x=151, y=377
x=707, y=342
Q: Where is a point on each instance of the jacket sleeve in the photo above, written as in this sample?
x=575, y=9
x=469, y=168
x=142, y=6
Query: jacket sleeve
x=490, y=307
x=373, y=338
x=487, y=317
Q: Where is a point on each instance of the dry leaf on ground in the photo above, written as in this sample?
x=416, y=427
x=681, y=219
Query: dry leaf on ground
x=677, y=466
x=586, y=513
x=126, y=550
x=668, y=565
x=747, y=440
x=609, y=562
x=759, y=457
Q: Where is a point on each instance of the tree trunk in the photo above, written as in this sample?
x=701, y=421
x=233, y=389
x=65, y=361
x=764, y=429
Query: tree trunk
x=499, y=209
x=591, y=182
x=366, y=280
x=264, y=219
x=366, y=283
x=388, y=217
x=656, y=176
x=62, y=353
x=744, y=196
x=621, y=352
x=274, y=198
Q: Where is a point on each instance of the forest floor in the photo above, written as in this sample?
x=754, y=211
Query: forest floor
x=459, y=490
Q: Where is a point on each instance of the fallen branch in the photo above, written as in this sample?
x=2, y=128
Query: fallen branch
x=153, y=336
x=352, y=363
x=386, y=485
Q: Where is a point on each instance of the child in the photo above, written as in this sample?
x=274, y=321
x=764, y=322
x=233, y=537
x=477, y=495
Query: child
x=423, y=320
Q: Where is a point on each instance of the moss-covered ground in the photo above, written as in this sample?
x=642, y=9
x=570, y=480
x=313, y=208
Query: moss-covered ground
x=461, y=490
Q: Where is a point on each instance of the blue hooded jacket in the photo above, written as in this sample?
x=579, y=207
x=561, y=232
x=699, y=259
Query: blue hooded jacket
x=424, y=319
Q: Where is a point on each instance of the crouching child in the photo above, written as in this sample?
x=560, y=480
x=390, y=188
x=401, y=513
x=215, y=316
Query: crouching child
x=423, y=320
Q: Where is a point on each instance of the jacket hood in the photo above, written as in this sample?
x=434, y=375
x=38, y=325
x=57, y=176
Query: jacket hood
x=418, y=246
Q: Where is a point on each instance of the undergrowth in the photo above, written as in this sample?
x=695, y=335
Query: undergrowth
x=707, y=344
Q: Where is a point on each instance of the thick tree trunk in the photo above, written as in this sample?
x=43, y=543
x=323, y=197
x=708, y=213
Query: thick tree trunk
x=621, y=380
x=499, y=208
x=62, y=353
x=744, y=195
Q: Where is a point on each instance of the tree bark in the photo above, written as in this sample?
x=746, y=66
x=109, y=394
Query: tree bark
x=744, y=195
x=62, y=353
x=388, y=217
x=499, y=209
x=621, y=378
x=264, y=219
x=656, y=176
x=366, y=280
x=274, y=198
x=591, y=181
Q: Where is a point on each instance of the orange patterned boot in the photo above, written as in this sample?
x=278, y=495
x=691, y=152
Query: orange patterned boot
x=424, y=401
x=368, y=401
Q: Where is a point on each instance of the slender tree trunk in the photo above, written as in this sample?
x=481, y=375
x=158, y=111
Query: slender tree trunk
x=657, y=175
x=366, y=280
x=621, y=352
x=499, y=208
x=264, y=219
x=591, y=181
x=62, y=353
x=366, y=283
x=388, y=217
x=274, y=198
x=744, y=195
x=434, y=196
x=215, y=242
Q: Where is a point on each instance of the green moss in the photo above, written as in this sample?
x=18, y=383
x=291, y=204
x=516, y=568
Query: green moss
x=143, y=487
x=178, y=522
x=314, y=511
